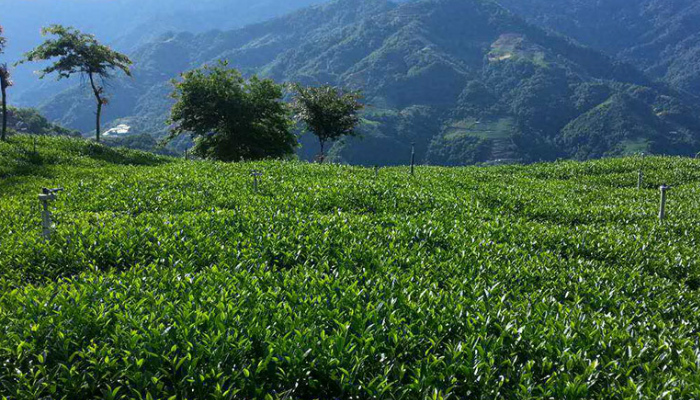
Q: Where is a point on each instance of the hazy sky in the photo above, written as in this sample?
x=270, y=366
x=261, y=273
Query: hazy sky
x=124, y=24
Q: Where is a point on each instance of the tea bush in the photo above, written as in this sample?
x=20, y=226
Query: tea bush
x=167, y=279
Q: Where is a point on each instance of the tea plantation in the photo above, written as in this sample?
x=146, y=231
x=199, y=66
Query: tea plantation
x=174, y=279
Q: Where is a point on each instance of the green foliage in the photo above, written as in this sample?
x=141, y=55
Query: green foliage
x=5, y=77
x=660, y=37
x=454, y=60
x=328, y=112
x=79, y=53
x=76, y=53
x=29, y=121
x=173, y=279
x=229, y=117
x=142, y=142
x=3, y=40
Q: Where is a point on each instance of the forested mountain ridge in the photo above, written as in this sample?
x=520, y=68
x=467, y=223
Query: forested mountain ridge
x=662, y=37
x=468, y=81
x=124, y=24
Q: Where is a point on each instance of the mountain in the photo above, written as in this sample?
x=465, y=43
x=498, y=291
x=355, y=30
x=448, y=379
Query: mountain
x=466, y=80
x=660, y=36
x=124, y=24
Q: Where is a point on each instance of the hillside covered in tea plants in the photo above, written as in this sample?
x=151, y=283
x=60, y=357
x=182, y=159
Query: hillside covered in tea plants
x=167, y=278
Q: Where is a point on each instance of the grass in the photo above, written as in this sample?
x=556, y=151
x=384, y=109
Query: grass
x=173, y=279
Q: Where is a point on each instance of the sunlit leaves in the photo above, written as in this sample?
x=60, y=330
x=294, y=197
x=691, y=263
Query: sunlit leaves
x=168, y=278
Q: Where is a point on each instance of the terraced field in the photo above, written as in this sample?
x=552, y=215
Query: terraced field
x=173, y=279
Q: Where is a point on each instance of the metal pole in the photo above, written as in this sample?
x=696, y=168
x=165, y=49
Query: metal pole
x=187, y=156
x=376, y=171
x=413, y=157
x=255, y=175
x=46, y=221
x=640, y=178
x=662, y=206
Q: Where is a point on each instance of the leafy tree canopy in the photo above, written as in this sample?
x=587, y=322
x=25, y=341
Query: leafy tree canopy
x=3, y=41
x=328, y=112
x=77, y=53
x=230, y=117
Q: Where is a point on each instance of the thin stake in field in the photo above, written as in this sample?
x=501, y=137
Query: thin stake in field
x=413, y=157
x=662, y=206
x=376, y=171
x=256, y=175
x=45, y=197
x=640, y=178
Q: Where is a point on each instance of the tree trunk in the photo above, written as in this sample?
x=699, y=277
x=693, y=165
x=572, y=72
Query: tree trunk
x=97, y=120
x=323, y=155
x=96, y=90
x=4, y=114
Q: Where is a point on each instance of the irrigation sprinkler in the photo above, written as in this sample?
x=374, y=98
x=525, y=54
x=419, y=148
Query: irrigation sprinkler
x=662, y=206
x=256, y=175
x=413, y=157
x=376, y=171
x=45, y=197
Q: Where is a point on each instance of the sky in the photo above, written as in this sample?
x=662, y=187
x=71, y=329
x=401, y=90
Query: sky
x=122, y=24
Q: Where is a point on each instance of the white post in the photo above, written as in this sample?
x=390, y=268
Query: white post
x=46, y=221
x=45, y=196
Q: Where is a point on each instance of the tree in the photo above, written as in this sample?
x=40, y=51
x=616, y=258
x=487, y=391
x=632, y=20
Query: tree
x=229, y=117
x=5, y=82
x=80, y=53
x=328, y=112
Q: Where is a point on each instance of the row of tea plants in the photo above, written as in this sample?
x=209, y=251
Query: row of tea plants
x=168, y=279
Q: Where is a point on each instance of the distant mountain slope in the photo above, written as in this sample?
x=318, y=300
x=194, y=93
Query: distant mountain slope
x=124, y=24
x=661, y=36
x=466, y=80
